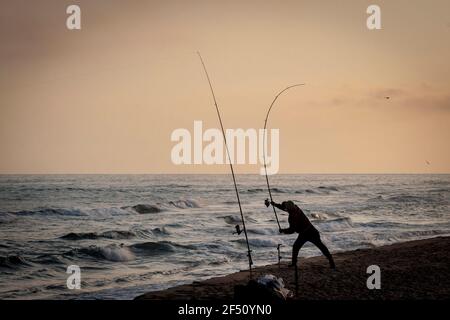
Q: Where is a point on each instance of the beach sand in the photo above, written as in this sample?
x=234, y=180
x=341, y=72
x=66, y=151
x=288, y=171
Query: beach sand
x=410, y=270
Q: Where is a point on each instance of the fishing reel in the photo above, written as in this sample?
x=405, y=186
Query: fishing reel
x=249, y=253
x=267, y=203
x=250, y=260
x=238, y=230
x=279, y=255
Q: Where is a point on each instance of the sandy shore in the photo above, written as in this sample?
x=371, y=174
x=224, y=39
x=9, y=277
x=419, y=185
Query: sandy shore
x=410, y=270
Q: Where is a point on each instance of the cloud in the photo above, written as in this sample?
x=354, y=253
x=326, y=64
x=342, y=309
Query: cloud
x=429, y=102
x=388, y=92
x=424, y=97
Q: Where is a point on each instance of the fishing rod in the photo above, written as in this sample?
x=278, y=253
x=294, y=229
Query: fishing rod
x=249, y=255
x=279, y=255
x=264, y=146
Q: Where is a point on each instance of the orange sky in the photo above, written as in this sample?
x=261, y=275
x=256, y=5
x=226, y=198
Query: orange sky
x=106, y=99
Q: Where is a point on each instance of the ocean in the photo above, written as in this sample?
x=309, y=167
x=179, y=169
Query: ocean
x=131, y=234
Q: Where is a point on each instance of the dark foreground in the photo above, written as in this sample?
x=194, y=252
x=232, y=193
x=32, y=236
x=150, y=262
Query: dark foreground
x=411, y=270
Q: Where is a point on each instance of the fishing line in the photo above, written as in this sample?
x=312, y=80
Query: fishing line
x=264, y=145
x=250, y=262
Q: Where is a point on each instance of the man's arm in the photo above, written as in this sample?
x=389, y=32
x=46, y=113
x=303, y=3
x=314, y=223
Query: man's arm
x=277, y=205
x=289, y=230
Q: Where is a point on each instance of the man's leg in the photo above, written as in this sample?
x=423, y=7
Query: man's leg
x=319, y=244
x=298, y=244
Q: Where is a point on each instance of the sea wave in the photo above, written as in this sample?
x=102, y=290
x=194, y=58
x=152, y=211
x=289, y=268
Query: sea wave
x=263, y=231
x=406, y=198
x=7, y=218
x=414, y=234
x=235, y=219
x=113, y=234
x=49, y=259
x=143, y=208
x=254, y=190
x=257, y=190
x=115, y=253
x=160, y=247
x=13, y=262
x=52, y=212
x=149, y=233
x=146, y=208
x=338, y=224
x=318, y=190
x=160, y=231
x=328, y=188
x=185, y=203
x=159, y=206
x=391, y=237
x=318, y=216
x=255, y=242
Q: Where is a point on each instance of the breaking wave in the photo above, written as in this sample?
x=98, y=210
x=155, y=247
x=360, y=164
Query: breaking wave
x=116, y=234
x=159, y=207
x=113, y=253
x=76, y=212
x=150, y=233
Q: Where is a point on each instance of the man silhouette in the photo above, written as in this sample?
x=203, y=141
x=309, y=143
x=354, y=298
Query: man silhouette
x=298, y=222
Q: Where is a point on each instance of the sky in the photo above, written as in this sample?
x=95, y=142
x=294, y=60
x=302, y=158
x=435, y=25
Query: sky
x=106, y=98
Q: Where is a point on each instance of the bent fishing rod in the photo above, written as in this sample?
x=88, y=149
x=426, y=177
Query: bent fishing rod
x=249, y=255
x=264, y=145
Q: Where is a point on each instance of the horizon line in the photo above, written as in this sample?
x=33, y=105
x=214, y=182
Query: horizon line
x=172, y=173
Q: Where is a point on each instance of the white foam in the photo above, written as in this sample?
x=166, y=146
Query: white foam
x=115, y=253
